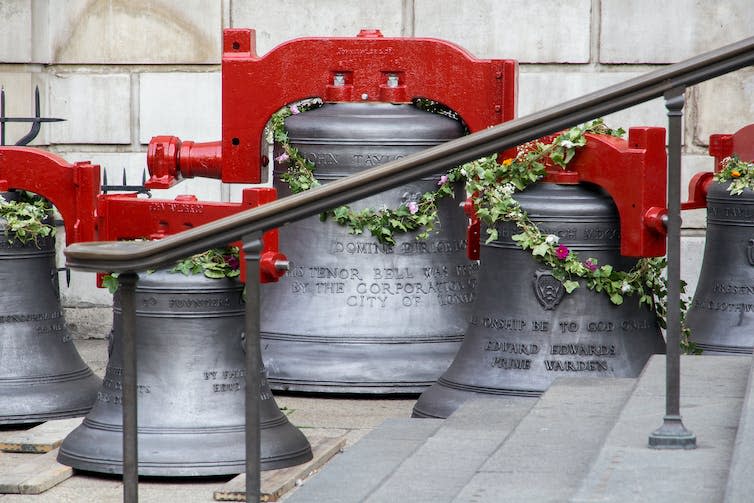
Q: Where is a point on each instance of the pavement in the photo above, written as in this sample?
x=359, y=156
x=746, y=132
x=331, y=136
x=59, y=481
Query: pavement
x=317, y=417
x=584, y=440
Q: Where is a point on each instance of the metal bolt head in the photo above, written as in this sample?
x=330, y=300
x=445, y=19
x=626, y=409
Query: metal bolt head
x=282, y=265
x=365, y=96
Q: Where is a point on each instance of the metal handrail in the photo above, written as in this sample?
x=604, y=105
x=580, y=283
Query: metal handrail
x=136, y=256
x=129, y=257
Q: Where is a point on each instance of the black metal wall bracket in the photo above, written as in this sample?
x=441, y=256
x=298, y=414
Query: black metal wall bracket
x=36, y=121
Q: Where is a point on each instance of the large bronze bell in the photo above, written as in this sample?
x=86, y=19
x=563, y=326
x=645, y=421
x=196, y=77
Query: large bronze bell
x=721, y=316
x=352, y=315
x=42, y=376
x=190, y=361
x=526, y=330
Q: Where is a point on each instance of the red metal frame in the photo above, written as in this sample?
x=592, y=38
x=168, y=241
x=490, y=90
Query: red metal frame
x=721, y=146
x=72, y=188
x=253, y=88
x=633, y=172
x=740, y=143
x=482, y=92
x=88, y=215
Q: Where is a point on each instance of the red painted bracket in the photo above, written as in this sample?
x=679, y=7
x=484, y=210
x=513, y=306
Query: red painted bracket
x=740, y=143
x=721, y=146
x=72, y=188
x=125, y=216
x=634, y=173
x=698, y=187
x=473, y=231
x=368, y=67
x=88, y=215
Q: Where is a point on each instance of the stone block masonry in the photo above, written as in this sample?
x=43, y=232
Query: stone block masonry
x=121, y=71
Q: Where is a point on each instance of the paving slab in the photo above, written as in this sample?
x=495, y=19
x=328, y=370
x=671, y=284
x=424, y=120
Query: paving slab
x=275, y=483
x=626, y=470
x=41, y=438
x=318, y=417
x=34, y=476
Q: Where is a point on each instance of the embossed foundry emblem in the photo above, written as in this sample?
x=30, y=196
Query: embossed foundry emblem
x=548, y=289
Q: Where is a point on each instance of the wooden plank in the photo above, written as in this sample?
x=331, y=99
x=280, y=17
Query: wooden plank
x=275, y=483
x=35, y=476
x=41, y=438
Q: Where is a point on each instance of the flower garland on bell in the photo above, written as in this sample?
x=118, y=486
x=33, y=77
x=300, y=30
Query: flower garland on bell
x=491, y=185
x=215, y=263
x=739, y=173
x=25, y=218
x=384, y=223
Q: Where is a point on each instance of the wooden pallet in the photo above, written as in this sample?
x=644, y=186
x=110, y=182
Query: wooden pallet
x=41, y=438
x=34, y=476
x=275, y=483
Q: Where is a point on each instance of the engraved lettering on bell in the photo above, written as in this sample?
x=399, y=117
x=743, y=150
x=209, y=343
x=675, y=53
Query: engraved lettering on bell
x=750, y=252
x=195, y=365
x=548, y=289
x=405, y=304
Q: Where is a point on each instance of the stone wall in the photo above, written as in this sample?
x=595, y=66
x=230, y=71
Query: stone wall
x=121, y=71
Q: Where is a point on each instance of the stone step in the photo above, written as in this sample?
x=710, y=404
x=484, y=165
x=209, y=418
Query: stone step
x=712, y=394
x=552, y=448
x=584, y=440
x=740, y=485
x=484, y=437
x=351, y=476
x=451, y=456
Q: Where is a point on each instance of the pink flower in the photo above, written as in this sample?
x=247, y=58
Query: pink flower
x=590, y=265
x=562, y=252
x=413, y=207
x=294, y=109
x=282, y=157
x=443, y=179
x=232, y=261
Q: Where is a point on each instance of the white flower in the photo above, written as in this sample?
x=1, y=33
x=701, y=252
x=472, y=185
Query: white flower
x=552, y=239
x=567, y=144
x=625, y=287
x=508, y=189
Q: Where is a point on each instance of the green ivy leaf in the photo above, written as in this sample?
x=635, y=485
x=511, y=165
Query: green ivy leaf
x=540, y=250
x=570, y=285
x=616, y=299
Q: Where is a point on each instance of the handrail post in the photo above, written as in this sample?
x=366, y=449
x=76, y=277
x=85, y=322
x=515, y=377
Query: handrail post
x=673, y=434
x=252, y=247
x=127, y=286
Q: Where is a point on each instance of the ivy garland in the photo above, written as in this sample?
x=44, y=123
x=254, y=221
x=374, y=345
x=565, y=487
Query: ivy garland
x=25, y=218
x=215, y=263
x=382, y=223
x=739, y=173
x=491, y=186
